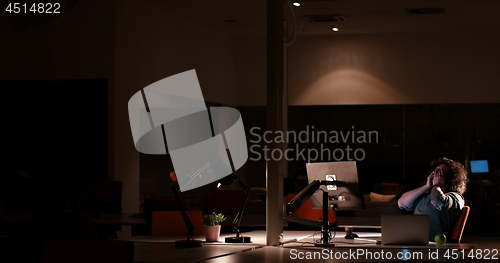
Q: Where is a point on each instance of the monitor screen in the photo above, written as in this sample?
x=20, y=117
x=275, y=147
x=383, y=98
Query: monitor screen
x=479, y=166
x=348, y=194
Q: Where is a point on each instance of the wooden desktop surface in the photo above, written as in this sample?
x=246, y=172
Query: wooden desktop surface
x=258, y=238
x=167, y=252
x=162, y=249
x=368, y=240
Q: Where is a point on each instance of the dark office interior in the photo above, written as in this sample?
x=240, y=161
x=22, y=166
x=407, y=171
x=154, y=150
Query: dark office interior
x=421, y=76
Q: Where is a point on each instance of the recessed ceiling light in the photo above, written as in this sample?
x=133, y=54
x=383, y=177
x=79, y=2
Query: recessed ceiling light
x=296, y=4
x=335, y=29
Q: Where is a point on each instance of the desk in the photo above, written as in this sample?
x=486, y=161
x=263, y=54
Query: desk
x=109, y=223
x=167, y=252
x=366, y=240
x=258, y=238
x=162, y=249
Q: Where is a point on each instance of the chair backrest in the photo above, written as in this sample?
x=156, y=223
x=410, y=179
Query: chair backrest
x=159, y=204
x=306, y=210
x=456, y=235
x=171, y=223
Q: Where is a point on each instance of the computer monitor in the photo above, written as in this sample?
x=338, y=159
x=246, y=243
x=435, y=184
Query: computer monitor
x=346, y=194
x=479, y=166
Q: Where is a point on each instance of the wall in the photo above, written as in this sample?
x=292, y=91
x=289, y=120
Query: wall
x=152, y=44
x=440, y=67
x=78, y=44
x=75, y=45
x=251, y=71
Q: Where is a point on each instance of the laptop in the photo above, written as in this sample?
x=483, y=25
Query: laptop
x=405, y=229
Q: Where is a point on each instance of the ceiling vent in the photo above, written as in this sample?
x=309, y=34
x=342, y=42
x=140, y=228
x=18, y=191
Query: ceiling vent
x=326, y=18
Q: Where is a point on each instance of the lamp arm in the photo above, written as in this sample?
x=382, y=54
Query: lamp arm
x=187, y=221
x=237, y=218
x=243, y=186
x=307, y=192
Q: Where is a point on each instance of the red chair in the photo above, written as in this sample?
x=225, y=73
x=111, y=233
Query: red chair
x=306, y=210
x=456, y=234
x=159, y=204
x=171, y=223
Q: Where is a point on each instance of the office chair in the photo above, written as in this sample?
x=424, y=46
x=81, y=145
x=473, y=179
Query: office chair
x=171, y=223
x=458, y=229
x=158, y=204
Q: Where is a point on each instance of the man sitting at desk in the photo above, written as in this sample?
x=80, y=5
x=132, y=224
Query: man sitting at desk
x=441, y=197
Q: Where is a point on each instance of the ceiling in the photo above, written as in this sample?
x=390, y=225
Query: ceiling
x=244, y=18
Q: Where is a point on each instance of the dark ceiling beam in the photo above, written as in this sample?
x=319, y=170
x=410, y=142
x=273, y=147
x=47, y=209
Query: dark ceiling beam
x=275, y=107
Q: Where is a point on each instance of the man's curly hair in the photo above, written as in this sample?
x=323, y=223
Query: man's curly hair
x=456, y=178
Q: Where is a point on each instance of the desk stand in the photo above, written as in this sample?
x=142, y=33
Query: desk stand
x=190, y=241
x=325, y=228
x=237, y=219
x=299, y=200
x=351, y=235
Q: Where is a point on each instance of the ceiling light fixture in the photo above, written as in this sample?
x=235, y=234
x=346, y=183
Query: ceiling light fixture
x=335, y=29
x=296, y=4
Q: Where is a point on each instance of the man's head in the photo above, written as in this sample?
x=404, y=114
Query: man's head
x=455, y=176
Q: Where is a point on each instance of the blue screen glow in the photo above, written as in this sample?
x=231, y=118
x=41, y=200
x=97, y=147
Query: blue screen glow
x=479, y=166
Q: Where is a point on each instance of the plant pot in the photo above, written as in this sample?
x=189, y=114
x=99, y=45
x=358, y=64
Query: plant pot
x=212, y=233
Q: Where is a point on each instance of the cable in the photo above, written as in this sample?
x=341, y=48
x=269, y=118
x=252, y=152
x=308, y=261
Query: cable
x=295, y=25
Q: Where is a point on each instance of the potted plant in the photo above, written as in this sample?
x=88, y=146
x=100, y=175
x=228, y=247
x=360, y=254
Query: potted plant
x=212, y=226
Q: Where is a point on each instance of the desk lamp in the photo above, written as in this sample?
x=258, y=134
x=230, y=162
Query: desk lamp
x=236, y=222
x=190, y=241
